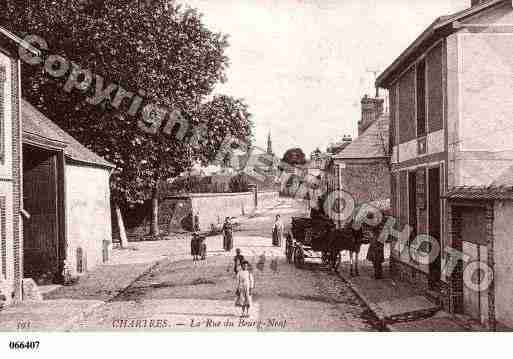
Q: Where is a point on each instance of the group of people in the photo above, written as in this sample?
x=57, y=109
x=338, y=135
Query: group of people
x=198, y=247
x=244, y=279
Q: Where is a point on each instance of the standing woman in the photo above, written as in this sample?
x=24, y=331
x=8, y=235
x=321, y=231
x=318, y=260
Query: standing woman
x=277, y=231
x=227, y=235
x=243, y=290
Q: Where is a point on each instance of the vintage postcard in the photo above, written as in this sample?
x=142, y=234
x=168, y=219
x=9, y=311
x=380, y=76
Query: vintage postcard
x=255, y=166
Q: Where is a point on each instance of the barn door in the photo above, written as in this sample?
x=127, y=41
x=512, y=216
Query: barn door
x=41, y=234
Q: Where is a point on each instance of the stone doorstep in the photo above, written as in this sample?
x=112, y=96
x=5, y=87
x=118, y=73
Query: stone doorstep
x=407, y=307
x=386, y=315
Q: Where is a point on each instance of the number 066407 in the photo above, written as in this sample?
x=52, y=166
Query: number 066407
x=21, y=345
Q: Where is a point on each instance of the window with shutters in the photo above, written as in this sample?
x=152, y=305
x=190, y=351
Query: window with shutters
x=421, y=98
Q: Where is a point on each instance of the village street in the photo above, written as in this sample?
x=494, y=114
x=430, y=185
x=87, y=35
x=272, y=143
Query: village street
x=187, y=296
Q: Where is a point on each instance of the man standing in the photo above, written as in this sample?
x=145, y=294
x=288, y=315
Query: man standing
x=375, y=253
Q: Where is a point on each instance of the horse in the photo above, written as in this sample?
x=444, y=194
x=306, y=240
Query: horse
x=348, y=239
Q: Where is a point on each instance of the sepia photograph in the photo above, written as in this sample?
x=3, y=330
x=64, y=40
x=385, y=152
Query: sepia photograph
x=255, y=166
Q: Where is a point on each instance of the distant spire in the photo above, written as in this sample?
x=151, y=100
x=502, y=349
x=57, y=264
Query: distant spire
x=269, y=144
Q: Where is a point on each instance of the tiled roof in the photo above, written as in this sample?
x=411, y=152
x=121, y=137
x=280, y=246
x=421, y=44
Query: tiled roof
x=490, y=193
x=36, y=124
x=370, y=144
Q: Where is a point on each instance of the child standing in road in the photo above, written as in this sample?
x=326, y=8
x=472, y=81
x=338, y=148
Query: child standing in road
x=244, y=287
x=237, y=261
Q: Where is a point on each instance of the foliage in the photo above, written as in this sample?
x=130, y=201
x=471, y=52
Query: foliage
x=294, y=157
x=158, y=47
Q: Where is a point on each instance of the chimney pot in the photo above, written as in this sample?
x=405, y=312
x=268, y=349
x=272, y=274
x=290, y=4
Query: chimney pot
x=372, y=108
x=477, y=2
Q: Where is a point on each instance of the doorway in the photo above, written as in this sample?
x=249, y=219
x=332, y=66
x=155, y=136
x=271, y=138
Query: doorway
x=434, y=225
x=43, y=242
x=412, y=204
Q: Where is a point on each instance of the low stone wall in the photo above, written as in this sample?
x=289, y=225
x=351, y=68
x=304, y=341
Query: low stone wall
x=213, y=208
x=268, y=199
x=176, y=212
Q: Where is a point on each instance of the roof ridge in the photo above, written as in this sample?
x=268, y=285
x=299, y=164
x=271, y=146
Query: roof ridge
x=35, y=122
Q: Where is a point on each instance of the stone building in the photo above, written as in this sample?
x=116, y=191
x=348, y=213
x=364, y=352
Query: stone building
x=54, y=192
x=450, y=131
x=362, y=168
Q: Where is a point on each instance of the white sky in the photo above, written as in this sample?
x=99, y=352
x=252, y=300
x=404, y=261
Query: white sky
x=302, y=65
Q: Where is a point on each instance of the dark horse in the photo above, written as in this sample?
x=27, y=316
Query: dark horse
x=346, y=238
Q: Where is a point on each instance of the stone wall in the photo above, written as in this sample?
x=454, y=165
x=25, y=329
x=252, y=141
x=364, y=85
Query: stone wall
x=213, y=208
x=88, y=215
x=366, y=181
x=267, y=199
x=176, y=212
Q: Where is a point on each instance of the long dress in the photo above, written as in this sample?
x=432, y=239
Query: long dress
x=277, y=233
x=227, y=237
x=245, y=283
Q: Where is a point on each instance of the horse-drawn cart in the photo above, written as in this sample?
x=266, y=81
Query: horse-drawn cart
x=307, y=242
x=317, y=240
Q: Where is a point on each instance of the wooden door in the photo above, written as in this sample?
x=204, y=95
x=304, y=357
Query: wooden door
x=434, y=224
x=41, y=235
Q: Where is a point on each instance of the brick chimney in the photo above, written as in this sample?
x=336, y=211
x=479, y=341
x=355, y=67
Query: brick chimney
x=372, y=108
x=477, y=2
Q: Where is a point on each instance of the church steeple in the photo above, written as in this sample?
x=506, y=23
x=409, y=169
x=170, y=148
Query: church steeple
x=269, y=144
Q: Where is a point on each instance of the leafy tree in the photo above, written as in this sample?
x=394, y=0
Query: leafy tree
x=294, y=157
x=155, y=49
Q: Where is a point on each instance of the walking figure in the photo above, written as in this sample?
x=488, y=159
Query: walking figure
x=227, y=235
x=195, y=247
x=277, y=231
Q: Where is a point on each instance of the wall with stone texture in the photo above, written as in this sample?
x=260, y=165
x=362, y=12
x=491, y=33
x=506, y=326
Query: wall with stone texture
x=366, y=180
x=213, y=208
x=268, y=199
x=176, y=212
x=88, y=213
x=503, y=257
